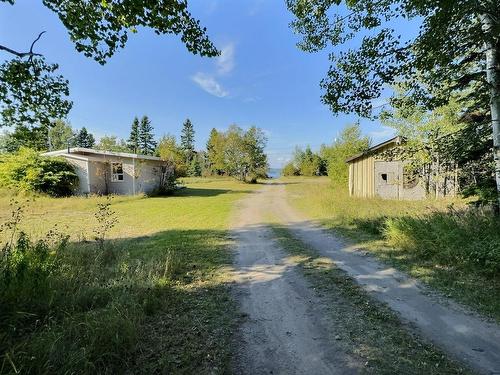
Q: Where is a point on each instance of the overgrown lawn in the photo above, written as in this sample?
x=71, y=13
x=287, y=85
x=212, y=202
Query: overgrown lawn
x=154, y=299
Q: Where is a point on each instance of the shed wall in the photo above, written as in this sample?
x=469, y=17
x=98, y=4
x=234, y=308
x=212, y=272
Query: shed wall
x=362, y=177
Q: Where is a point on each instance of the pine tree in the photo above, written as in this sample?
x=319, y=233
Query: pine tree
x=84, y=139
x=147, y=143
x=194, y=169
x=187, y=141
x=133, y=140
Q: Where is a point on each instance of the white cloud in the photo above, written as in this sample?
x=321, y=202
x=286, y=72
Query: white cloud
x=225, y=62
x=255, y=7
x=209, y=84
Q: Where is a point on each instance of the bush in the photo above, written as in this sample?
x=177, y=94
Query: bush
x=459, y=239
x=290, y=170
x=27, y=170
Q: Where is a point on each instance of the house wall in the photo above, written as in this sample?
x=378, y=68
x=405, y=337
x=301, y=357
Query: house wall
x=141, y=175
x=148, y=175
x=83, y=175
x=97, y=174
x=393, y=187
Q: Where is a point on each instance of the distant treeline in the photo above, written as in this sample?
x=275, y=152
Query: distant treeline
x=330, y=160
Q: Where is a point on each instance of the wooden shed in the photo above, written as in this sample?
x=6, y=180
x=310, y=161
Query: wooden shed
x=372, y=176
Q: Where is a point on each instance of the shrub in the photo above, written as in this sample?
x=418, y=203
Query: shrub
x=459, y=239
x=290, y=170
x=27, y=270
x=29, y=171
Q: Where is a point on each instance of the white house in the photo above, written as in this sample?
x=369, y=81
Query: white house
x=106, y=172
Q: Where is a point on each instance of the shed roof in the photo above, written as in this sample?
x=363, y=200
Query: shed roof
x=396, y=140
x=90, y=151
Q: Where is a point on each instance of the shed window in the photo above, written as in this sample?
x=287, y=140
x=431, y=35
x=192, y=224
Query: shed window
x=386, y=178
x=116, y=172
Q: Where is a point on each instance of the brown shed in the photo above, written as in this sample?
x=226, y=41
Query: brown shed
x=371, y=176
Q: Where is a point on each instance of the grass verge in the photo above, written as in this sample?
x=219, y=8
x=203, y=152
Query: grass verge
x=153, y=299
x=366, y=328
x=448, y=247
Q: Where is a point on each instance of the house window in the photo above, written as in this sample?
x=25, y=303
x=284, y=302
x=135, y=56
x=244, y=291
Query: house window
x=116, y=172
x=384, y=177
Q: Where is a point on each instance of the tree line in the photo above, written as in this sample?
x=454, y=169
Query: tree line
x=235, y=152
x=331, y=159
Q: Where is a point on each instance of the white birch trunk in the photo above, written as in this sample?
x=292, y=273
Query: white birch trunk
x=493, y=79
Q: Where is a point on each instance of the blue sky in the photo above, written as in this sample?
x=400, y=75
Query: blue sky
x=261, y=79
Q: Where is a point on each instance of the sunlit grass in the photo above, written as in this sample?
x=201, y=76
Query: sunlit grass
x=441, y=242
x=155, y=300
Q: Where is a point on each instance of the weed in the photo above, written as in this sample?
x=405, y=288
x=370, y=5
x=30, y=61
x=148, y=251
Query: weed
x=106, y=220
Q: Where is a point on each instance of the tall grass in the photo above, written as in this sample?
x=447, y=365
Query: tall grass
x=446, y=243
x=467, y=238
x=148, y=296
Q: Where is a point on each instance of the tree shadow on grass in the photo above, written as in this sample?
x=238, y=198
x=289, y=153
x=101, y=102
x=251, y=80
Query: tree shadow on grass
x=200, y=192
x=152, y=304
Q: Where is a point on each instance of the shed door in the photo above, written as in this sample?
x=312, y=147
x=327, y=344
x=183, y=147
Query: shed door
x=387, y=179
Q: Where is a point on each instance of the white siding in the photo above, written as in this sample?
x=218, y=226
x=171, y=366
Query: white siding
x=148, y=175
x=82, y=173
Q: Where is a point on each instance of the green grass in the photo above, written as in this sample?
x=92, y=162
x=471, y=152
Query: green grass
x=365, y=328
x=154, y=300
x=443, y=243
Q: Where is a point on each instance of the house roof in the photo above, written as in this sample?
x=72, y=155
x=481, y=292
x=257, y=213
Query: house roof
x=396, y=140
x=81, y=151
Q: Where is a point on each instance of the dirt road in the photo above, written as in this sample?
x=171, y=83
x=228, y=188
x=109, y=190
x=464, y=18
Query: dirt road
x=287, y=330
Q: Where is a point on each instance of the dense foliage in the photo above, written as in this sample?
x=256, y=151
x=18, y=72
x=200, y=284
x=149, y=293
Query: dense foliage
x=133, y=139
x=349, y=143
x=445, y=52
x=457, y=49
x=331, y=159
x=112, y=143
x=84, y=138
x=238, y=153
x=28, y=171
x=60, y=135
x=32, y=95
x=305, y=163
x=33, y=79
x=168, y=150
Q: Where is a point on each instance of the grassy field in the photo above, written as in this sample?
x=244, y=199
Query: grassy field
x=152, y=299
x=440, y=242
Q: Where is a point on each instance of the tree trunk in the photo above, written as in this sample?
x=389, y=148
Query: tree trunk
x=493, y=79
